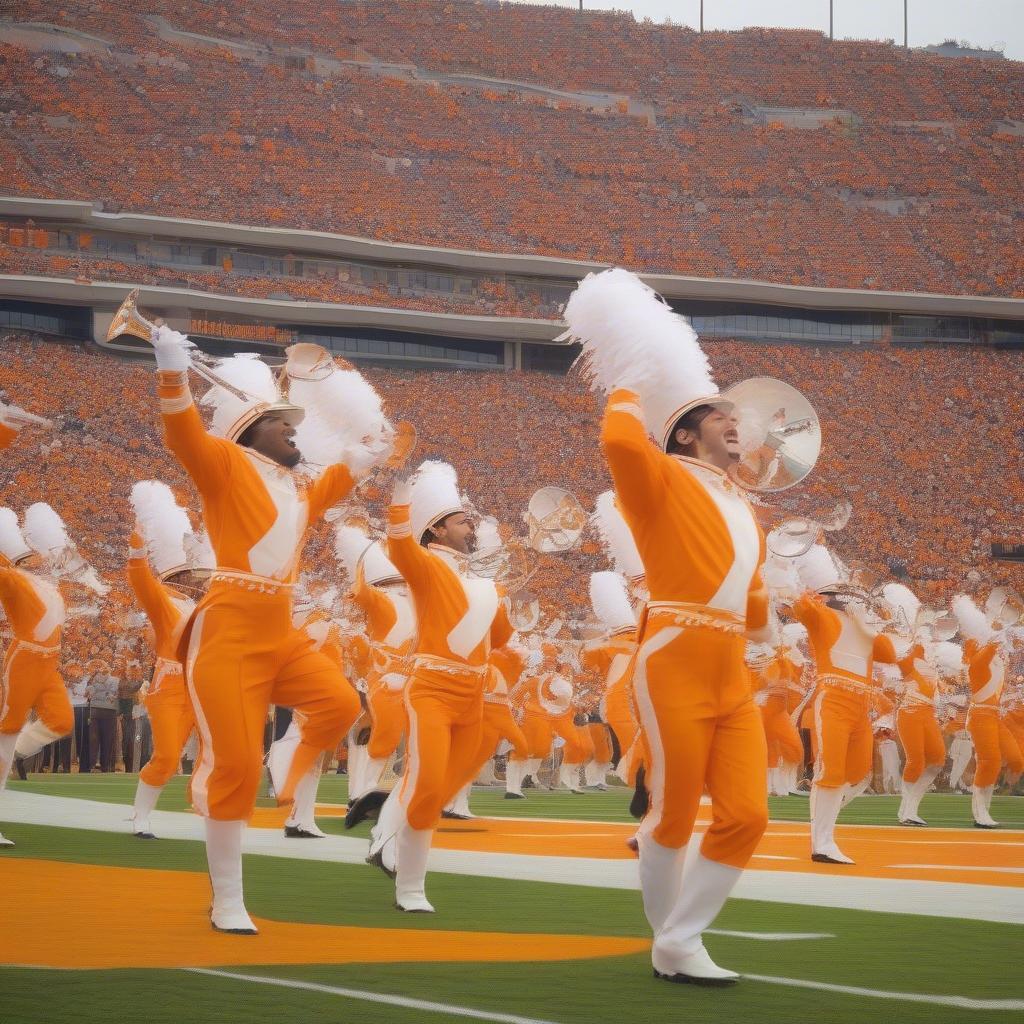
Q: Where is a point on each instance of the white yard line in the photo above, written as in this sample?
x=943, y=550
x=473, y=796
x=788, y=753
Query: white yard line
x=373, y=997
x=958, y=867
x=835, y=889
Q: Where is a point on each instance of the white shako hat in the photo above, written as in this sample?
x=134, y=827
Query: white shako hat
x=345, y=420
x=165, y=527
x=233, y=414
x=632, y=339
x=617, y=537
x=12, y=544
x=820, y=570
x=353, y=547
x=974, y=624
x=435, y=494
x=903, y=604
x=610, y=600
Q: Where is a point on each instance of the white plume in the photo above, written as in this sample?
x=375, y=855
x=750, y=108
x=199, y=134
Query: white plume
x=819, y=568
x=632, y=339
x=45, y=530
x=12, y=544
x=344, y=420
x=200, y=551
x=903, y=603
x=973, y=622
x=794, y=633
x=616, y=537
x=610, y=600
x=488, y=537
x=163, y=522
x=948, y=659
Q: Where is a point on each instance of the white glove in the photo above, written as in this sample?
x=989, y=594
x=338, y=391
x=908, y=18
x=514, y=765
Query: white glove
x=402, y=493
x=171, y=348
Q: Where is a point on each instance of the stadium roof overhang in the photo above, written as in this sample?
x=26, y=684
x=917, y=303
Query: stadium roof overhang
x=672, y=286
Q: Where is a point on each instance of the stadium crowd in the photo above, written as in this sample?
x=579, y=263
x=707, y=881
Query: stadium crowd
x=905, y=183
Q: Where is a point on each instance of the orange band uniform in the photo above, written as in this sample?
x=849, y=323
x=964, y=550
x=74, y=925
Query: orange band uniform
x=243, y=652
x=994, y=744
x=702, y=550
x=31, y=670
x=916, y=724
x=459, y=621
x=167, y=702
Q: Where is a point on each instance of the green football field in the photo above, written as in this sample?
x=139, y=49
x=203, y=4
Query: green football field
x=970, y=968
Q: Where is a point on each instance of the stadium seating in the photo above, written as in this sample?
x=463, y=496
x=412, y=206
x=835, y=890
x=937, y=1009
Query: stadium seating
x=909, y=187
x=931, y=468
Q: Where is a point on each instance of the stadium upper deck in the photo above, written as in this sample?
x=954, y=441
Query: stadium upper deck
x=775, y=156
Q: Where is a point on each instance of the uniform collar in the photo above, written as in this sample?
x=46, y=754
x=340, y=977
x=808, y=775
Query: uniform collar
x=708, y=474
x=453, y=559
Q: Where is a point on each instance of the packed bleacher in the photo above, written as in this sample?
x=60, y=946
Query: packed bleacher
x=910, y=186
x=924, y=442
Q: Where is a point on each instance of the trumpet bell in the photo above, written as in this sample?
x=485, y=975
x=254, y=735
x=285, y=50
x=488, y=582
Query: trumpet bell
x=793, y=538
x=555, y=520
x=1004, y=606
x=524, y=611
x=129, y=320
x=779, y=434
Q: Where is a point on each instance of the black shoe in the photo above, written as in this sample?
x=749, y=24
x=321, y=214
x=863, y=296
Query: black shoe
x=514, y=796
x=298, y=832
x=377, y=861
x=978, y=824
x=366, y=807
x=455, y=816
x=824, y=858
x=687, y=979
x=641, y=798
x=144, y=835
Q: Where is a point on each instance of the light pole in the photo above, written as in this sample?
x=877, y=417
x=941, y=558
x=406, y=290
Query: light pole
x=906, y=42
x=830, y=18
x=702, y=15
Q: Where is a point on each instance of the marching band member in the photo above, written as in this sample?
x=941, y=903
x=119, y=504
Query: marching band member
x=985, y=657
x=162, y=534
x=243, y=652
x=1011, y=721
x=460, y=619
x=612, y=656
x=536, y=700
x=702, y=550
x=32, y=564
x=379, y=591
x=845, y=648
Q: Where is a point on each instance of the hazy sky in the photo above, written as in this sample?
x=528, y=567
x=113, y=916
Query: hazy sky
x=984, y=23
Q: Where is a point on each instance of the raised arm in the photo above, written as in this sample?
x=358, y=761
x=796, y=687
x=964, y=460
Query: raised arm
x=206, y=458
x=634, y=462
x=16, y=590
x=409, y=557
x=333, y=484
x=150, y=592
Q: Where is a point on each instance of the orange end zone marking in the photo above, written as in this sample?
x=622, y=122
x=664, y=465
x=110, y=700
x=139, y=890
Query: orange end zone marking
x=160, y=921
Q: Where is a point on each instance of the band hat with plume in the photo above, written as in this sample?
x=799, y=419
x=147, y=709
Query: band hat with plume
x=820, y=570
x=345, y=420
x=617, y=537
x=45, y=531
x=12, y=544
x=632, y=339
x=232, y=414
x=974, y=624
x=610, y=600
x=903, y=604
x=434, y=495
x=353, y=547
x=165, y=527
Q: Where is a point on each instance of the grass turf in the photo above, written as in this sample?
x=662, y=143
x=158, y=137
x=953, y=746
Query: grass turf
x=938, y=809
x=901, y=953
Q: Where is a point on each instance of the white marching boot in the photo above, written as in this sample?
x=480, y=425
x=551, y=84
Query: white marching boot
x=913, y=792
x=224, y=857
x=33, y=737
x=458, y=806
x=383, y=843
x=981, y=801
x=4, y=841
x=145, y=800
x=514, y=771
x=279, y=757
x=661, y=874
x=853, y=790
x=301, y=823
x=569, y=776
x=826, y=807
x=678, y=953
x=595, y=774
x=411, y=876
x=531, y=769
